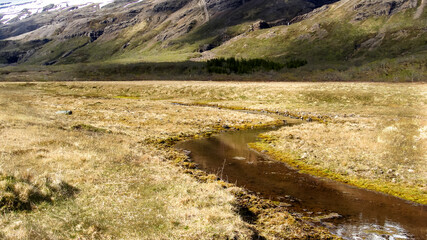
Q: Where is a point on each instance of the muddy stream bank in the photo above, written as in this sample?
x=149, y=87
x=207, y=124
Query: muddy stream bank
x=346, y=211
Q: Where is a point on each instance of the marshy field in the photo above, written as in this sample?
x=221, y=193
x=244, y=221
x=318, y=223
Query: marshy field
x=110, y=169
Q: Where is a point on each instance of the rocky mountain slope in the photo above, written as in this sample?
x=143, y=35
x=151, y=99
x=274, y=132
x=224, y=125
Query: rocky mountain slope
x=125, y=31
x=20, y=9
x=344, y=31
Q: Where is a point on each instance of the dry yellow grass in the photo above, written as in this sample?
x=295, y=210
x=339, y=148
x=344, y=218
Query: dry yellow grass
x=109, y=149
x=366, y=154
x=127, y=188
x=379, y=127
x=374, y=131
x=357, y=149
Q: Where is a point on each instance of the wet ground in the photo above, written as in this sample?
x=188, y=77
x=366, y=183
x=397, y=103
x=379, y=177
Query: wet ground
x=349, y=212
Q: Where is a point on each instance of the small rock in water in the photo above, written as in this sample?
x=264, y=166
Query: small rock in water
x=66, y=112
x=330, y=216
x=226, y=127
x=282, y=204
x=239, y=158
x=187, y=152
x=328, y=225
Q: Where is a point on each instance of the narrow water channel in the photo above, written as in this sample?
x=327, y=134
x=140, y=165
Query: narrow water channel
x=362, y=214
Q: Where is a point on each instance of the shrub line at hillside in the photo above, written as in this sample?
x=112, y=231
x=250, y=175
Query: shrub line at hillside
x=246, y=66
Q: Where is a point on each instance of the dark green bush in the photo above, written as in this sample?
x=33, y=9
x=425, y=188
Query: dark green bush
x=295, y=63
x=241, y=66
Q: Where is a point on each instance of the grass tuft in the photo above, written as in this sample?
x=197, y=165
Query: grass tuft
x=17, y=193
x=89, y=128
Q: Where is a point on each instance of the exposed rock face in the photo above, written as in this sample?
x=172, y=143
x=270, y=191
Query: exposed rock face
x=72, y=22
x=319, y=3
x=48, y=7
x=367, y=8
x=206, y=47
x=260, y=25
x=170, y=6
x=16, y=29
x=119, y=26
x=223, y=5
x=373, y=42
x=10, y=57
x=309, y=15
x=95, y=35
x=13, y=52
x=420, y=9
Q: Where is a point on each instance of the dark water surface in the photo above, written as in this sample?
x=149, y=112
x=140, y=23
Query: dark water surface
x=364, y=214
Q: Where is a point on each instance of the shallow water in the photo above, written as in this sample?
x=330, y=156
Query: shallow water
x=363, y=214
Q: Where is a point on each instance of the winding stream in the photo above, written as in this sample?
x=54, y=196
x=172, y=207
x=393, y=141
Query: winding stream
x=353, y=213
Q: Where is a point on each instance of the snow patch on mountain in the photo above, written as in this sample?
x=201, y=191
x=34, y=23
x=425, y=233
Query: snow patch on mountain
x=11, y=11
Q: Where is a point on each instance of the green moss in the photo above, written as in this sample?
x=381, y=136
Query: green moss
x=127, y=97
x=411, y=193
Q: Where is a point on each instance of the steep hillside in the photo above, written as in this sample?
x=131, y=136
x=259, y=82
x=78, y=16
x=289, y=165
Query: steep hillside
x=140, y=30
x=326, y=33
x=353, y=31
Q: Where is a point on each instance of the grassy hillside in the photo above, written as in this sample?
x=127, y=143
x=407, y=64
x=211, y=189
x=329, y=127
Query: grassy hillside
x=333, y=36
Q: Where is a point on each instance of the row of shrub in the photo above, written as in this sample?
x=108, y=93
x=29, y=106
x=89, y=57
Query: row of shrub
x=147, y=70
x=245, y=66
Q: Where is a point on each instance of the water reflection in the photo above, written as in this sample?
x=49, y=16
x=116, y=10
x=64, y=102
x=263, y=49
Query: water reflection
x=364, y=214
x=389, y=230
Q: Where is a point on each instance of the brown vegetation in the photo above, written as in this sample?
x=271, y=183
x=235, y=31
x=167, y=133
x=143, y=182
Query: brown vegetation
x=127, y=188
x=111, y=149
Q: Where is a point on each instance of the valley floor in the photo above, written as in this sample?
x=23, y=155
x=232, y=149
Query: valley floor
x=108, y=170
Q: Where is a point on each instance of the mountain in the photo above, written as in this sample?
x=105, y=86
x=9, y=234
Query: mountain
x=324, y=32
x=344, y=31
x=21, y=9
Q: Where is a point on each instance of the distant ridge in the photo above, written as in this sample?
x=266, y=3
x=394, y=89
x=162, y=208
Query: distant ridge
x=326, y=33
